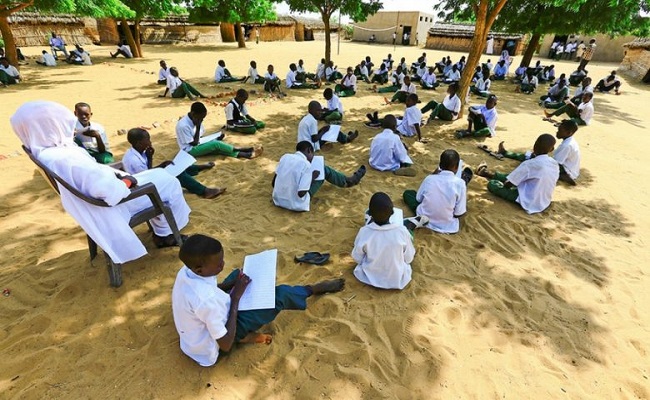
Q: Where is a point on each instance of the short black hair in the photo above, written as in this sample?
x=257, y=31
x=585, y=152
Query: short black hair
x=197, y=248
x=82, y=104
x=569, y=124
x=389, y=122
x=304, y=146
x=328, y=92
x=413, y=97
x=380, y=207
x=241, y=93
x=135, y=135
x=449, y=159
x=198, y=108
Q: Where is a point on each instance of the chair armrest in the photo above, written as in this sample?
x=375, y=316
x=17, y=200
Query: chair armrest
x=139, y=191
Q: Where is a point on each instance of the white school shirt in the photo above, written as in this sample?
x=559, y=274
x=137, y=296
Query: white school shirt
x=219, y=73
x=383, y=254
x=582, y=90
x=230, y=108
x=185, y=129
x=10, y=70
x=293, y=175
x=134, y=162
x=586, y=111
x=252, y=73
x=364, y=71
x=48, y=59
x=452, y=104
x=428, y=78
x=398, y=79
x=483, y=85
x=535, y=179
x=559, y=49
x=320, y=70
x=532, y=81
x=408, y=89
x=90, y=143
x=291, y=79
x=406, y=125
x=491, y=117
x=127, y=49
x=300, y=68
x=272, y=76
x=328, y=72
x=568, y=155
x=163, y=74
x=442, y=196
x=381, y=71
x=307, y=127
x=453, y=75
x=85, y=58
x=200, y=312
x=351, y=81
x=173, y=83
x=421, y=71
x=335, y=104
x=387, y=152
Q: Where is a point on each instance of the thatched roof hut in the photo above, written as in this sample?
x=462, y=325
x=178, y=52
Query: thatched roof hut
x=636, y=63
x=458, y=37
x=35, y=29
x=311, y=28
x=281, y=29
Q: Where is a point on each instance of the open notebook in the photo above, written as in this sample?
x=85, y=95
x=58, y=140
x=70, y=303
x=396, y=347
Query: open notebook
x=260, y=293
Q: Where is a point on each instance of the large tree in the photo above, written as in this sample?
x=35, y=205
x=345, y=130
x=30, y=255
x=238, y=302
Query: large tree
x=356, y=9
x=233, y=11
x=484, y=13
x=146, y=8
x=539, y=17
x=92, y=8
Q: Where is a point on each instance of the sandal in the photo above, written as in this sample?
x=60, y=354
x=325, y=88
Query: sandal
x=313, y=257
x=168, y=241
x=481, y=167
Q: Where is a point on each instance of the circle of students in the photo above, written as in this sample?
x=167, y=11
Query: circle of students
x=207, y=315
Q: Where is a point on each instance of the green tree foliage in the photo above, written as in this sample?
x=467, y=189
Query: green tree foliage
x=233, y=11
x=355, y=9
x=91, y=8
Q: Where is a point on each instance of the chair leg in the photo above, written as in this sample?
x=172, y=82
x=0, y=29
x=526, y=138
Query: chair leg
x=114, y=272
x=167, y=212
x=92, y=248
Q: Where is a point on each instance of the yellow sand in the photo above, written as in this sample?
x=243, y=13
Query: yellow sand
x=549, y=306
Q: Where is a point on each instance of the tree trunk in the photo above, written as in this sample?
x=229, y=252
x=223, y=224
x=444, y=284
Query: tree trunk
x=475, y=51
x=530, y=50
x=138, y=43
x=129, y=38
x=241, y=38
x=10, y=42
x=328, y=39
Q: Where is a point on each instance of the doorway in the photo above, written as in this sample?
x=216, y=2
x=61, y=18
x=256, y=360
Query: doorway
x=406, y=35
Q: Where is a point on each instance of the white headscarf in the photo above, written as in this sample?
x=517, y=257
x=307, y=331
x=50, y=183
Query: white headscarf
x=43, y=124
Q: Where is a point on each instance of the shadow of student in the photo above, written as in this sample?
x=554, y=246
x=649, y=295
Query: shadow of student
x=608, y=112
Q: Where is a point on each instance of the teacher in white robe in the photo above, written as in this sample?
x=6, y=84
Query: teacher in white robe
x=46, y=128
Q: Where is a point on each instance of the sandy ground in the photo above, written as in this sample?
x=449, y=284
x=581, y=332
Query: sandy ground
x=550, y=306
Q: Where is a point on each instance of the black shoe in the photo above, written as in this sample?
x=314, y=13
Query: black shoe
x=352, y=136
x=467, y=175
x=356, y=177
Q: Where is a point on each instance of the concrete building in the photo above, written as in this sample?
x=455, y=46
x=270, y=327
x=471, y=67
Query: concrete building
x=413, y=24
x=608, y=49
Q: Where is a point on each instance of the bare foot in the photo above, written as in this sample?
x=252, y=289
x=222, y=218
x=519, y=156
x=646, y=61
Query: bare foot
x=386, y=100
x=481, y=169
x=257, y=151
x=258, y=338
x=211, y=193
x=330, y=286
x=205, y=166
x=501, y=150
x=547, y=114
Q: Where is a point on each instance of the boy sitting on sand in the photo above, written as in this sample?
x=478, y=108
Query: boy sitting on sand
x=221, y=74
x=400, y=96
x=387, y=152
x=91, y=135
x=189, y=130
x=348, y=85
x=532, y=183
x=206, y=314
x=481, y=120
x=409, y=124
x=140, y=158
x=567, y=154
x=581, y=113
x=333, y=111
x=237, y=117
x=442, y=196
x=271, y=81
x=308, y=128
x=383, y=250
x=179, y=88
x=294, y=181
x=253, y=76
x=449, y=108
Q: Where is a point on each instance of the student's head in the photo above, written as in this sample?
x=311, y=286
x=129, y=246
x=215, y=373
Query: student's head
x=367, y=58
x=380, y=208
x=402, y=60
x=306, y=148
x=83, y=113
x=586, y=82
x=389, y=122
x=322, y=61
x=489, y=61
x=363, y=63
x=563, y=76
x=452, y=89
x=612, y=74
x=432, y=70
x=328, y=93
x=4, y=62
x=398, y=69
x=301, y=62
x=123, y=42
x=411, y=100
x=293, y=67
x=390, y=56
x=423, y=64
x=449, y=160
x=382, y=66
x=241, y=96
x=350, y=70
x=561, y=83
x=330, y=63
x=502, y=62
x=587, y=96
x=491, y=101
x=53, y=34
x=544, y=144
x=44, y=52
x=221, y=63
x=478, y=69
x=315, y=109
x=552, y=66
x=173, y=71
x=566, y=129
x=454, y=68
x=139, y=139
x=163, y=64
x=407, y=80
x=202, y=254
x=253, y=64
x=270, y=69
x=198, y=112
